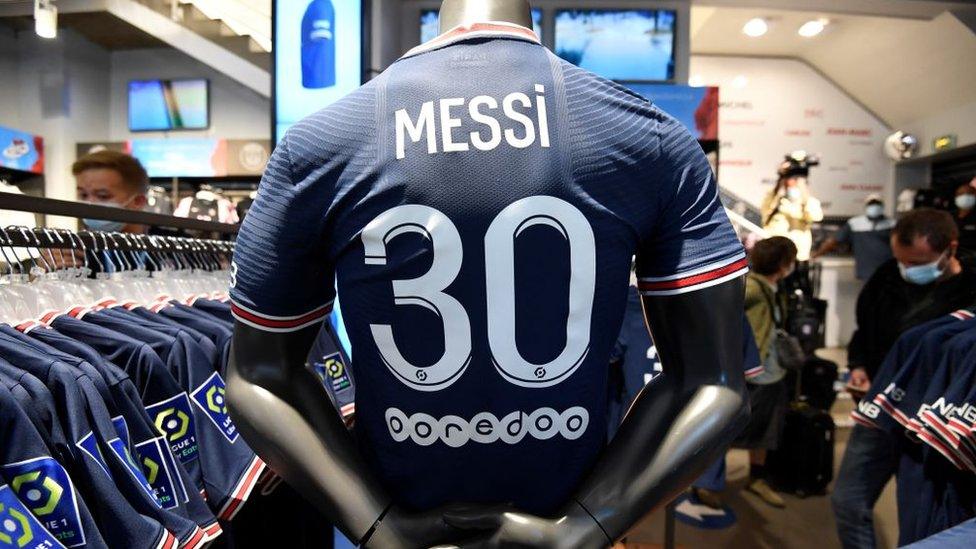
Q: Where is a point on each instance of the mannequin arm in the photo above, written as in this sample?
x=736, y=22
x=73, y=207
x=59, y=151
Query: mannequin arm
x=281, y=410
x=682, y=423
x=674, y=430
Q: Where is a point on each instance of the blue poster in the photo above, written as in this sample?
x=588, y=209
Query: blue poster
x=21, y=151
x=318, y=53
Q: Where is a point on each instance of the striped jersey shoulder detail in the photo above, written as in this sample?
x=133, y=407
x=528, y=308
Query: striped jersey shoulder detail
x=282, y=324
x=698, y=279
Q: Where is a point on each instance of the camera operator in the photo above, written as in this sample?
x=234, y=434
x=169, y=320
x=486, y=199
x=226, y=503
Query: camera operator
x=789, y=210
x=924, y=281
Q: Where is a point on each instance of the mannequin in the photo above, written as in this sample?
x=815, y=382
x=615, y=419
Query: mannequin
x=675, y=429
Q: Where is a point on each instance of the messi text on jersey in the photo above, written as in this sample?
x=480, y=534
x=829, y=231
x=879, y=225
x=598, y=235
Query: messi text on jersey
x=483, y=132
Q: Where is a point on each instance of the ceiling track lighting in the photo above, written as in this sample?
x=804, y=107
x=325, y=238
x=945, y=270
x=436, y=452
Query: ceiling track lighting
x=813, y=27
x=756, y=27
x=45, y=19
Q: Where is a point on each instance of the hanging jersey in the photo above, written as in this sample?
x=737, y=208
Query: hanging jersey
x=868, y=412
x=117, y=497
x=40, y=482
x=171, y=483
x=230, y=468
x=479, y=204
x=218, y=309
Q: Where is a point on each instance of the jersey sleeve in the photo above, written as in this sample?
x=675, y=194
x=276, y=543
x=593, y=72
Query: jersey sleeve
x=692, y=244
x=282, y=280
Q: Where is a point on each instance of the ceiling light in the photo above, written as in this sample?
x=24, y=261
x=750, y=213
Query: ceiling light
x=696, y=81
x=756, y=27
x=740, y=81
x=45, y=19
x=812, y=28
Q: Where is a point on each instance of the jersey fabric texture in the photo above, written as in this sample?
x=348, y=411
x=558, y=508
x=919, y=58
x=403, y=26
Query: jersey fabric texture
x=458, y=199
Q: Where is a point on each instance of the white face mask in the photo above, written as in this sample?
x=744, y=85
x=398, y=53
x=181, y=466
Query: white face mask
x=966, y=201
x=794, y=193
x=874, y=211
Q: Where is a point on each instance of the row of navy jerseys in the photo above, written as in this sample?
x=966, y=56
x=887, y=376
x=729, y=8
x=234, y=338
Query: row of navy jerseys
x=478, y=207
x=924, y=395
x=115, y=431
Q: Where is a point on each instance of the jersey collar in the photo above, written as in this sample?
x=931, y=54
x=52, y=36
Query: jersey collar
x=483, y=29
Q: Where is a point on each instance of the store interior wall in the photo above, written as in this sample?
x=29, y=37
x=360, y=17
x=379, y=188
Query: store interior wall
x=769, y=107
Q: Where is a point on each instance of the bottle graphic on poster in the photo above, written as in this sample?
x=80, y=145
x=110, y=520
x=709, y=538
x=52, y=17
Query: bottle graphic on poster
x=318, y=45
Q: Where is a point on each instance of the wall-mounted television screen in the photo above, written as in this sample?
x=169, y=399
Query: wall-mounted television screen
x=318, y=56
x=430, y=24
x=163, y=105
x=619, y=44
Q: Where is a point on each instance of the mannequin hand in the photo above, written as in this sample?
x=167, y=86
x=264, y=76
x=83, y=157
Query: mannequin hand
x=402, y=530
x=516, y=530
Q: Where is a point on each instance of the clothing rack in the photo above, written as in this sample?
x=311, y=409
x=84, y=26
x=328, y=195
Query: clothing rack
x=64, y=239
x=67, y=208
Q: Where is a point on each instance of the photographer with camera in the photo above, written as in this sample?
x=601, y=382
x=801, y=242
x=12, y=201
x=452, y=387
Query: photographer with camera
x=789, y=210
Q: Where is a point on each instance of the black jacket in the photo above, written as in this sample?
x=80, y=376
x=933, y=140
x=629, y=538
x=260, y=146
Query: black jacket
x=888, y=306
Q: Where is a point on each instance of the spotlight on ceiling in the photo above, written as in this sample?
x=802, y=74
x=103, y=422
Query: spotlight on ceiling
x=45, y=19
x=813, y=28
x=756, y=27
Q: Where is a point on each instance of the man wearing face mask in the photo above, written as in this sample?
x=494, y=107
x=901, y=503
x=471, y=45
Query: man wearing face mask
x=966, y=215
x=868, y=236
x=115, y=179
x=923, y=281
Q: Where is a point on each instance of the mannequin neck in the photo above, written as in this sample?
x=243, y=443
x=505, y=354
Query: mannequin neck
x=465, y=12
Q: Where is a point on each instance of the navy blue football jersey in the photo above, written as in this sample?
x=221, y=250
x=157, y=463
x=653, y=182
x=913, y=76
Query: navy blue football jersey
x=478, y=206
x=905, y=350
x=127, y=513
x=329, y=361
x=230, y=468
x=39, y=480
x=170, y=481
x=217, y=309
x=937, y=405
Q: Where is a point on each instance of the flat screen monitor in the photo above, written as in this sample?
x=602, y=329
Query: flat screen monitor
x=619, y=44
x=430, y=24
x=318, y=56
x=163, y=105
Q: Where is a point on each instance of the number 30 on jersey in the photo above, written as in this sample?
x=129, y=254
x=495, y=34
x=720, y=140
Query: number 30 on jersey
x=428, y=291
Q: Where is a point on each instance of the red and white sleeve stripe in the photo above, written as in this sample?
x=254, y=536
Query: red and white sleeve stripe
x=698, y=279
x=242, y=491
x=280, y=324
x=753, y=372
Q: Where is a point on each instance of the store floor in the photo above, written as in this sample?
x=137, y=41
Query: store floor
x=804, y=524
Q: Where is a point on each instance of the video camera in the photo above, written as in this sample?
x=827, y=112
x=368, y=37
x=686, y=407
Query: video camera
x=798, y=164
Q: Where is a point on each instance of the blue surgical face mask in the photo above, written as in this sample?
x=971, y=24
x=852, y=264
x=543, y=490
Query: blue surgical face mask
x=922, y=275
x=794, y=193
x=103, y=225
x=874, y=211
x=966, y=201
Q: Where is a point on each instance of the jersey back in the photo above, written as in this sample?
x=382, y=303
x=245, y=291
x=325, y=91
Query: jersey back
x=479, y=205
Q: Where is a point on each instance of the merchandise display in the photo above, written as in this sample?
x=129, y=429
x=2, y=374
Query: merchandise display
x=401, y=274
